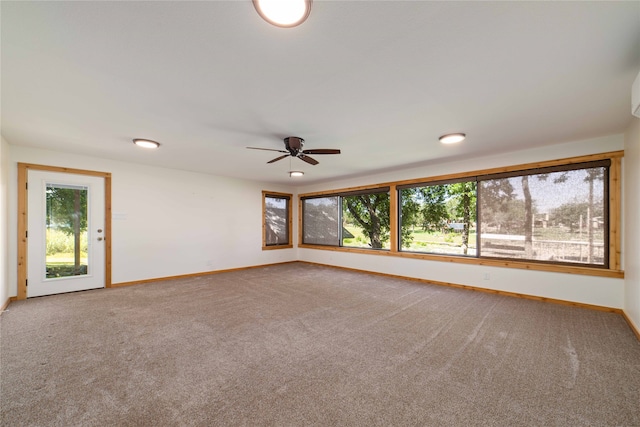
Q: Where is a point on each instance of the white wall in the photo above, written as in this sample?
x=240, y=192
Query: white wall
x=631, y=199
x=600, y=291
x=166, y=222
x=4, y=221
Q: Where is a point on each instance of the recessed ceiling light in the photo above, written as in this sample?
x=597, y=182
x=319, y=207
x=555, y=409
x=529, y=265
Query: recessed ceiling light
x=295, y=173
x=146, y=143
x=452, y=138
x=283, y=13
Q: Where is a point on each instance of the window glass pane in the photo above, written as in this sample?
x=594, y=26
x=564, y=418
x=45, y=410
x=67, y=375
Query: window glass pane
x=66, y=231
x=320, y=221
x=276, y=221
x=557, y=217
x=439, y=218
x=366, y=220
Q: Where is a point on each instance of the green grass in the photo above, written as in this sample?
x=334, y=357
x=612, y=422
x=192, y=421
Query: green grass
x=451, y=238
x=451, y=242
x=423, y=241
x=66, y=258
x=60, y=259
x=440, y=243
x=359, y=239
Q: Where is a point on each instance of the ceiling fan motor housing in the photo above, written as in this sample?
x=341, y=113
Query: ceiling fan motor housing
x=293, y=144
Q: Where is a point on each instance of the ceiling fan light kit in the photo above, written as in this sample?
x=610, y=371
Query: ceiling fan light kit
x=452, y=138
x=146, y=143
x=294, y=174
x=283, y=13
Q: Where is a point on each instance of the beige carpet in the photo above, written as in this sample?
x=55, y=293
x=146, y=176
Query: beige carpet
x=300, y=345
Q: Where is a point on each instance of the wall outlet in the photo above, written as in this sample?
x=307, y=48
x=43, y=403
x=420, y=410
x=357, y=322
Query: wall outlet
x=487, y=276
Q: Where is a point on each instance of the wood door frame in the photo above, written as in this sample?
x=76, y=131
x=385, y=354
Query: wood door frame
x=23, y=169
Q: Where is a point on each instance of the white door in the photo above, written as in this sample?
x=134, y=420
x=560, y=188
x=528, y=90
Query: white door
x=65, y=233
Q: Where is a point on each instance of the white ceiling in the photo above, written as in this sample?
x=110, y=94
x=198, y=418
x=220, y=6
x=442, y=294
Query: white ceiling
x=380, y=80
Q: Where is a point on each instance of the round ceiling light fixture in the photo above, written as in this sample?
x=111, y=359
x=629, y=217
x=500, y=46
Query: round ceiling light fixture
x=452, y=138
x=146, y=143
x=283, y=13
x=293, y=174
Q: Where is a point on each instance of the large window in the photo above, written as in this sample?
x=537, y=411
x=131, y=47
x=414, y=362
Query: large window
x=351, y=219
x=554, y=214
x=439, y=218
x=276, y=224
x=558, y=214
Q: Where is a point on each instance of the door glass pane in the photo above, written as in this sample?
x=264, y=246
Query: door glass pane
x=66, y=231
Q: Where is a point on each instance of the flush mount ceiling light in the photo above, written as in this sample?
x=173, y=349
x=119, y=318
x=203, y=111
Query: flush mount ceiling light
x=146, y=143
x=452, y=138
x=295, y=173
x=283, y=13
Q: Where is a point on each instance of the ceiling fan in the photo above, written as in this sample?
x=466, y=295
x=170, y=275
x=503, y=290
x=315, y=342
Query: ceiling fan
x=293, y=146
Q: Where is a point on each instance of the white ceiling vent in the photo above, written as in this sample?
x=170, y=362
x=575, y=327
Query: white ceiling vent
x=635, y=97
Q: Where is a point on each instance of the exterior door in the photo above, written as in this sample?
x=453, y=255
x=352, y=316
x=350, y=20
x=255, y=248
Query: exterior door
x=65, y=232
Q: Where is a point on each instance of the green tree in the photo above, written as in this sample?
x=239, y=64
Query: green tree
x=409, y=214
x=512, y=217
x=433, y=212
x=497, y=207
x=421, y=206
x=528, y=218
x=464, y=196
x=530, y=209
x=371, y=213
x=568, y=214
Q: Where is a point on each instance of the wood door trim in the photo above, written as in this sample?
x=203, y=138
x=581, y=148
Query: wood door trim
x=23, y=169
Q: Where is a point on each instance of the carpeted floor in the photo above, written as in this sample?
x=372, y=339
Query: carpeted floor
x=300, y=345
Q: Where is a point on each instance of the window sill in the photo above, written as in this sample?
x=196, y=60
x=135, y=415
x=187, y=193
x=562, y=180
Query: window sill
x=525, y=265
x=268, y=248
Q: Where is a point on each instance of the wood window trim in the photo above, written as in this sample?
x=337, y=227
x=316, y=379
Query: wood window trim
x=23, y=169
x=615, y=218
x=615, y=214
x=275, y=194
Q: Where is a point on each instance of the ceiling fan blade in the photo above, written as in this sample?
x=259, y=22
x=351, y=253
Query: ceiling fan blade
x=321, y=151
x=278, y=158
x=308, y=159
x=267, y=149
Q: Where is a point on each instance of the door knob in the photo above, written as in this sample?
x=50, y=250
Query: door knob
x=99, y=239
